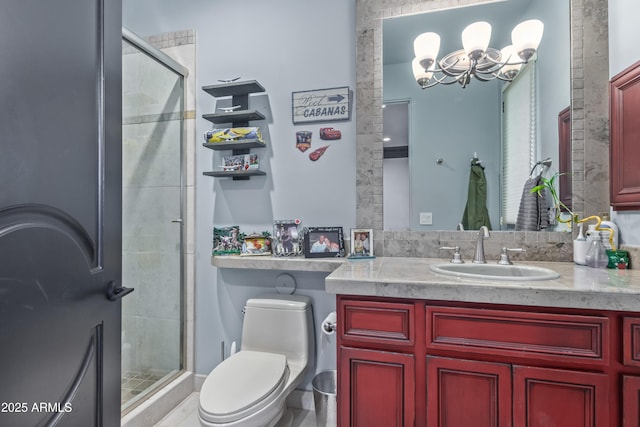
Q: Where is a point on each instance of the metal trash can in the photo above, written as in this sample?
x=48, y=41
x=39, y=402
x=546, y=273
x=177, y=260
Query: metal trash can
x=324, y=396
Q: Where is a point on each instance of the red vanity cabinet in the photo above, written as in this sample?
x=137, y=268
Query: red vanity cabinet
x=624, y=92
x=449, y=364
x=377, y=361
x=468, y=393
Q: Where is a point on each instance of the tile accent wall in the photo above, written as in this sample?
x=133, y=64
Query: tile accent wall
x=590, y=133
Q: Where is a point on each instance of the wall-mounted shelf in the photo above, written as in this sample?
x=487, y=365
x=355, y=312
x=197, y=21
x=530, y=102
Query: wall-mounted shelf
x=239, y=91
x=237, y=175
x=296, y=263
x=234, y=88
x=245, y=144
x=235, y=117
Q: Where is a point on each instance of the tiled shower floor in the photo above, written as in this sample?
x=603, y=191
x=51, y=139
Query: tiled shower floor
x=134, y=383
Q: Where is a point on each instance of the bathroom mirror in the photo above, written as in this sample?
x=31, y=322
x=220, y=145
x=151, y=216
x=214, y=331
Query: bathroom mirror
x=449, y=124
x=589, y=137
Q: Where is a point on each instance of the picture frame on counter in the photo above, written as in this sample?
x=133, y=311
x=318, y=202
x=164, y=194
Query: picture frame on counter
x=256, y=245
x=361, y=243
x=324, y=242
x=287, y=238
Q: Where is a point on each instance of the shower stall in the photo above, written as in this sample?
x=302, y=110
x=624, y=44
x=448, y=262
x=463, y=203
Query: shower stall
x=153, y=317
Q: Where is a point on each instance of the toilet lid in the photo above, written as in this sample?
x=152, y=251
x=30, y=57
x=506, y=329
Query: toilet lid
x=240, y=382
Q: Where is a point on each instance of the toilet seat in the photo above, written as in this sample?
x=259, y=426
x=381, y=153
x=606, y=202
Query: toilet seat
x=242, y=385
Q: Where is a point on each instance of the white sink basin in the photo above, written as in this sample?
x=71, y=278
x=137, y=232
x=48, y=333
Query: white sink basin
x=496, y=272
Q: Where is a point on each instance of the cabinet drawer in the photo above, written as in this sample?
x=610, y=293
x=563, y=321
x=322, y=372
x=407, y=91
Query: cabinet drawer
x=373, y=321
x=546, y=336
x=631, y=341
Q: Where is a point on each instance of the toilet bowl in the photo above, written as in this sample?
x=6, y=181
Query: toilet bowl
x=250, y=388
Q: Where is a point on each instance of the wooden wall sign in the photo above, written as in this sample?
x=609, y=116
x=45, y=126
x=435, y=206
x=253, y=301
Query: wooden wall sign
x=321, y=105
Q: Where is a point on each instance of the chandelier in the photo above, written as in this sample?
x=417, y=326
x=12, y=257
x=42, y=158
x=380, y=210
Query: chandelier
x=476, y=59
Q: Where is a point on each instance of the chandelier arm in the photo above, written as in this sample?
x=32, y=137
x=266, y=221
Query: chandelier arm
x=504, y=79
x=486, y=79
x=441, y=80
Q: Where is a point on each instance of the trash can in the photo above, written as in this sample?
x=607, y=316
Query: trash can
x=324, y=396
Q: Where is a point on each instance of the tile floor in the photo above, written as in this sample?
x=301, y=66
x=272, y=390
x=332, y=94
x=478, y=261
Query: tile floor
x=134, y=383
x=186, y=415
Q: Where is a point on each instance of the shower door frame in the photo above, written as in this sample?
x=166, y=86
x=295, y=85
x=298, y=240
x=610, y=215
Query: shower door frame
x=165, y=60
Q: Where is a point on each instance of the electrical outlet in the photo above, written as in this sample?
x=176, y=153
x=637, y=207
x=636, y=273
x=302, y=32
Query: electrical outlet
x=426, y=218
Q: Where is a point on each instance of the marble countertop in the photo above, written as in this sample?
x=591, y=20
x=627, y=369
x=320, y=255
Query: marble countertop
x=577, y=287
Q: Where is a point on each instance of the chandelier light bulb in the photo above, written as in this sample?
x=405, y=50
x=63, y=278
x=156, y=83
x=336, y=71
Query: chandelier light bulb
x=421, y=75
x=512, y=61
x=475, y=39
x=426, y=47
x=526, y=37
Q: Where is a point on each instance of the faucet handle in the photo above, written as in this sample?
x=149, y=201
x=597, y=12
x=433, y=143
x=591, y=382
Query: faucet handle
x=504, y=256
x=457, y=257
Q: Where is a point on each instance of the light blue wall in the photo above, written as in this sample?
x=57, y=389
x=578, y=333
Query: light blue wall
x=624, y=50
x=287, y=45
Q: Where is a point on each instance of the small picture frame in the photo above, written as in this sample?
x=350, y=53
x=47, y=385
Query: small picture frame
x=227, y=240
x=287, y=239
x=361, y=243
x=256, y=245
x=324, y=242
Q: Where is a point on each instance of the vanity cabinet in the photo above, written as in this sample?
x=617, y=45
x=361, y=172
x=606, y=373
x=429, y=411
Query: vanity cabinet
x=624, y=91
x=380, y=386
x=447, y=364
x=377, y=362
x=468, y=393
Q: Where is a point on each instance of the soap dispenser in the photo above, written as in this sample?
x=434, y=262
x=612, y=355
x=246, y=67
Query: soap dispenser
x=596, y=256
x=580, y=247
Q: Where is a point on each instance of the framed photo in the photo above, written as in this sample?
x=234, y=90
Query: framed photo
x=361, y=242
x=227, y=240
x=287, y=239
x=323, y=242
x=256, y=244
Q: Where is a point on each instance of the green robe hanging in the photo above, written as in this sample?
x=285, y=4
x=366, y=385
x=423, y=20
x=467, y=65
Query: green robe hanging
x=475, y=213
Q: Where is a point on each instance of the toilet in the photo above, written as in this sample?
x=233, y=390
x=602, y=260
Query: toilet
x=250, y=387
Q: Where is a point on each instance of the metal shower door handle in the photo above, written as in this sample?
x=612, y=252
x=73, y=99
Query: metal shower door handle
x=178, y=220
x=115, y=292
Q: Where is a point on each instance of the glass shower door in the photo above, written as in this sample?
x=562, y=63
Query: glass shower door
x=152, y=248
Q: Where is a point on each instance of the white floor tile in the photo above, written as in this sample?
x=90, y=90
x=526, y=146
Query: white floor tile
x=186, y=415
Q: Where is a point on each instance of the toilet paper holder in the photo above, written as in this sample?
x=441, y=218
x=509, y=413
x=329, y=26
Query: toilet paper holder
x=329, y=324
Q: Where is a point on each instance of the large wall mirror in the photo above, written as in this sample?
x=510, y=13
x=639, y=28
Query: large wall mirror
x=572, y=60
x=448, y=125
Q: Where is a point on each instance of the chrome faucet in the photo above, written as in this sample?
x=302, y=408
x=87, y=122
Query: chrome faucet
x=483, y=233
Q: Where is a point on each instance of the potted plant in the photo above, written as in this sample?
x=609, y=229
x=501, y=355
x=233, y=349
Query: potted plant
x=558, y=206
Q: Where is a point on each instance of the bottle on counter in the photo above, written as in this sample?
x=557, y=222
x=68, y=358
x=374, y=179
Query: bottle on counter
x=580, y=247
x=596, y=256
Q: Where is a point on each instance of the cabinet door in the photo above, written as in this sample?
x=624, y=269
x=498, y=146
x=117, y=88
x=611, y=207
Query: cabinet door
x=625, y=131
x=553, y=397
x=376, y=388
x=468, y=393
x=630, y=401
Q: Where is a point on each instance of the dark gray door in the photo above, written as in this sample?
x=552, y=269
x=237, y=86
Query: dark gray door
x=60, y=212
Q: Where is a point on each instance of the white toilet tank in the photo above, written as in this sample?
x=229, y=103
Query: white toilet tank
x=280, y=324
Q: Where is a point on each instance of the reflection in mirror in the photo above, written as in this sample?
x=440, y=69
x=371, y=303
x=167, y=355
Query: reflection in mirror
x=395, y=180
x=448, y=125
